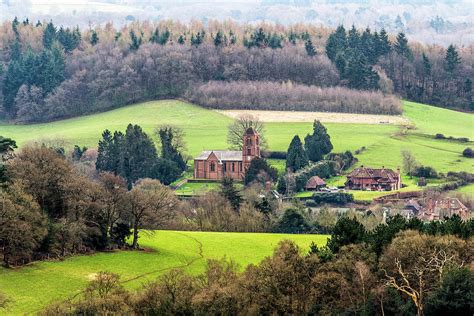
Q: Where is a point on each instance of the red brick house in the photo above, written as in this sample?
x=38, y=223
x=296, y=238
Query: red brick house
x=216, y=164
x=374, y=179
x=437, y=209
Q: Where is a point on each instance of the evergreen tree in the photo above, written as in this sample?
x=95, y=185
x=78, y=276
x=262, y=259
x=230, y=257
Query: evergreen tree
x=452, y=59
x=292, y=37
x=296, y=156
x=310, y=50
x=258, y=39
x=219, y=39
x=384, y=46
x=336, y=43
x=104, y=151
x=169, y=149
x=426, y=65
x=15, y=24
x=136, y=41
x=49, y=35
x=181, y=39
x=12, y=82
x=274, y=41
x=94, y=38
x=229, y=191
x=7, y=146
x=259, y=170
x=318, y=144
x=401, y=46
x=233, y=38
x=353, y=39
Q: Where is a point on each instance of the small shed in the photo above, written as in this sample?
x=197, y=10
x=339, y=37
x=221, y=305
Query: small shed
x=315, y=183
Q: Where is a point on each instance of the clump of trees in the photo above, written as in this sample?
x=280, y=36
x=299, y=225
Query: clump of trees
x=292, y=97
x=468, y=152
x=418, y=273
x=133, y=155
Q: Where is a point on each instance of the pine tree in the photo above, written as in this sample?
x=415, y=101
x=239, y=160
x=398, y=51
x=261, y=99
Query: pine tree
x=260, y=171
x=229, y=191
x=336, y=43
x=452, y=59
x=12, y=82
x=49, y=35
x=353, y=39
x=181, y=39
x=310, y=50
x=218, y=39
x=401, y=46
x=292, y=37
x=136, y=41
x=103, y=162
x=233, y=38
x=296, y=158
x=319, y=143
x=274, y=41
x=384, y=43
x=94, y=38
x=426, y=65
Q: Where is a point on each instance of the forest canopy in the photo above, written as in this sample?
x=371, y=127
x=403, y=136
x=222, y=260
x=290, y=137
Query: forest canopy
x=49, y=72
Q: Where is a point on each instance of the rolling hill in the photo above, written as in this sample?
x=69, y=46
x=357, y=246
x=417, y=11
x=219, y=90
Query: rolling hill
x=32, y=287
x=207, y=129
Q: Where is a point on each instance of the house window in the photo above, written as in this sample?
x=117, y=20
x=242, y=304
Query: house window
x=249, y=141
x=224, y=166
x=240, y=166
x=213, y=167
x=233, y=167
x=249, y=152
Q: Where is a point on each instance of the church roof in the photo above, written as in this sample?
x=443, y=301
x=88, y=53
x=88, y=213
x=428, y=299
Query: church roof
x=222, y=155
x=250, y=131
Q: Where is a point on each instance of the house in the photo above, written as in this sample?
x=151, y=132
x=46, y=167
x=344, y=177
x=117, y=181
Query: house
x=374, y=179
x=439, y=208
x=315, y=183
x=217, y=164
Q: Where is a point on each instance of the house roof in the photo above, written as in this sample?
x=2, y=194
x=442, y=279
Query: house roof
x=314, y=182
x=222, y=155
x=379, y=175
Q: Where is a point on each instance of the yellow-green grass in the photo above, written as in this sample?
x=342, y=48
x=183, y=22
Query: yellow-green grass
x=467, y=189
x=206, y=129
x=32, y=287
x=196, y=188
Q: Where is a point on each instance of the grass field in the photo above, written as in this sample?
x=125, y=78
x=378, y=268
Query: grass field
x=207, y=129
x=32, y=287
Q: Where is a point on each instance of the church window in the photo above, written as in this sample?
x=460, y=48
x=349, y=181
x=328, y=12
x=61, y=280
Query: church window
x=249, y=152
x=233, y=167
x=213, y=167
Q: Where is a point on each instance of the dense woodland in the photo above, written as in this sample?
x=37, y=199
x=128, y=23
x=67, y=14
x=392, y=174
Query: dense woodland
x=49, y=72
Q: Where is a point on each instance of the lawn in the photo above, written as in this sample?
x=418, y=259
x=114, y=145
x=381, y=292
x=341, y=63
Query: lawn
x=32, y=287
x=196, y=188
x=206, y=129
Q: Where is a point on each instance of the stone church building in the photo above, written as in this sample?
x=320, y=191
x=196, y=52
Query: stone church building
x=217, y=164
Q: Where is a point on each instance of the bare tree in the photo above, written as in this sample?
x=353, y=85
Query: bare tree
x=152, y=203
x=409, y=162
x=237, y=129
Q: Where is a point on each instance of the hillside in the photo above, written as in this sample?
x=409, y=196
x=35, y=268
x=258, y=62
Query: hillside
x=34, y=286
x=207, y=129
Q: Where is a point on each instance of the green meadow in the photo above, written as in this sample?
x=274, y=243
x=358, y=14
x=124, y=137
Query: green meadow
x=207, y=129
x=32, y=287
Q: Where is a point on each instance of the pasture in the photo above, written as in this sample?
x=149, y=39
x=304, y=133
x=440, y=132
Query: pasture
x=32, y=287
x=207, y=129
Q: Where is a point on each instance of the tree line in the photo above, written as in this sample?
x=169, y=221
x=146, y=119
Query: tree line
x=414, y=273
x=50, y=73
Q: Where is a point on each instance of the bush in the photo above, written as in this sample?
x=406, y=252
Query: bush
x=440, y=136
x=274, y=154
x=310, y=203
x=339, y=198
x=425, y=172
x=292, y=222
x=468, y=152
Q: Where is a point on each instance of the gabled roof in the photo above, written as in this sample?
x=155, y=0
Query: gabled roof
x=222, y=155
x=380, y=175
x=314, y=182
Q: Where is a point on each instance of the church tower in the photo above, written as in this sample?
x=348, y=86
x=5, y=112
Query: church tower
x=251, y=146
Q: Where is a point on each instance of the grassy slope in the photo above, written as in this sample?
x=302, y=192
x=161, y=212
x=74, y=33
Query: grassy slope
x=207, y=130
x=36, y=285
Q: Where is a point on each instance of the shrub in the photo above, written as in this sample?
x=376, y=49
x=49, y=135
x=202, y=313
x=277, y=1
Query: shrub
x=339, y=198
x=468, y=152
x=274, y=154
x=440, y=136
x=425, y=172
x=292, y=222
x=310, y=203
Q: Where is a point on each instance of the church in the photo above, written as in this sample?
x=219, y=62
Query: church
x=217, y=164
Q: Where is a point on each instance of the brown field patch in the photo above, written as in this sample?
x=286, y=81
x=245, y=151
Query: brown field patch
x=327, y=117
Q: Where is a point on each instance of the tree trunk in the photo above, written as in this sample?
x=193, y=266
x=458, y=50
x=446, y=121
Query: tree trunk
x=135, y=235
